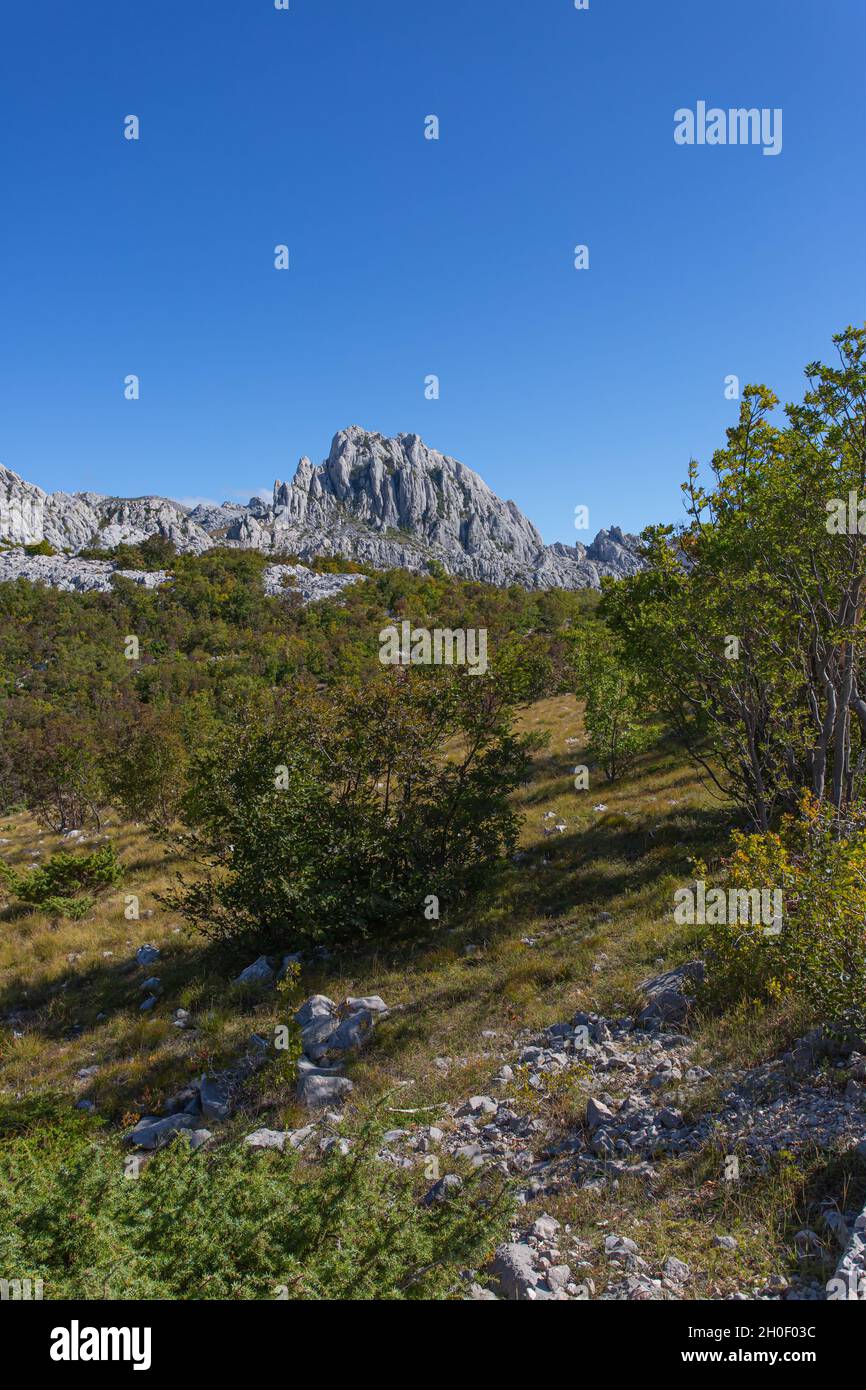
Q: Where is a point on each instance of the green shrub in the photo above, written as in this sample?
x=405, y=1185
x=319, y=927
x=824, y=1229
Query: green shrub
x=144, y=763
x=40, y=548
x=58, y=771
x=615, y=706
x=820, y=954
x=338, y=816
x=232, y=1224
x=67, y=885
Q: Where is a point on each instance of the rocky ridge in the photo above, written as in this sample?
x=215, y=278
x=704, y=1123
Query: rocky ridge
x=390, y=503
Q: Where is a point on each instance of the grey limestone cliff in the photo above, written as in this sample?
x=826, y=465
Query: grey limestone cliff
x=386, y=502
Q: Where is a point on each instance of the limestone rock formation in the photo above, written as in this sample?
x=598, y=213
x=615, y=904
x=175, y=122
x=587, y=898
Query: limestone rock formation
x=76, y=575
x=387, y=502
x=71, y=574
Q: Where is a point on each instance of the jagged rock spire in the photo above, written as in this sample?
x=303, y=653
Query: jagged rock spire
x=388, y=502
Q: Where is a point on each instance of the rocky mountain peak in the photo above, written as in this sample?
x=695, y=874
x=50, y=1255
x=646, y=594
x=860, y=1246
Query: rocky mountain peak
x=390, y=502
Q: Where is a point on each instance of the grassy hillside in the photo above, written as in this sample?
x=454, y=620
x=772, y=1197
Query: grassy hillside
x=575, y=924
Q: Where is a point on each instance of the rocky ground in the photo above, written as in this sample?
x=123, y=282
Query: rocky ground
x=643, y=1107
x=74, y=575
x=279, y=579
x=70, y=573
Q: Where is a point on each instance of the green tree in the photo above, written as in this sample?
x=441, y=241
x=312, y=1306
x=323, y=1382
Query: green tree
x=60, y=774
x=342, y=812
x=747, y=624
x=615, y=709
x=144, y=763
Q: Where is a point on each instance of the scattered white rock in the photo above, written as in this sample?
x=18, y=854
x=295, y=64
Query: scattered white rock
x=545, y=1227
x=260, y=972
x=267, y=1139
x=319, y=1089
x=849, y=1282
x=479, y=1105
x=151, y=1132
x=513, y=1269
x=667, y=1001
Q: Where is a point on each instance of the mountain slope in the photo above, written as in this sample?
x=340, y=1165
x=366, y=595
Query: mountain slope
x=388, y=502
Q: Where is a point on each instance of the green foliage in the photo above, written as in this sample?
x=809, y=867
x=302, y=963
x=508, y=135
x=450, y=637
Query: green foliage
x=54, y=767
x=336, y=814
x=820, y=954
x=763, y=562
x=67, y=885
x=231, y=1224
x=210, y=641
x=40, y=548
x=144, y=763
x=154, y=553
x=615, y=702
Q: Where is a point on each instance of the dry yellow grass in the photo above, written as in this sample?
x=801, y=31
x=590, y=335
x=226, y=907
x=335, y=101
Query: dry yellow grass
x=78, y=999
x=576, y=923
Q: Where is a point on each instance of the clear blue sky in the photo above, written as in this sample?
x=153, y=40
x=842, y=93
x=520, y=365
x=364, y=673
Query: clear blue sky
x=410, y=257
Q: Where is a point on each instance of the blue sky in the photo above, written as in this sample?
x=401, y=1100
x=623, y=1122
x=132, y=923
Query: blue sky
x=412, y=257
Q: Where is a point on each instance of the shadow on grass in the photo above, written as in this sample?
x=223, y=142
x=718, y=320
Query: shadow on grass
x=575, y=875
x=586, y=871
x=591, y=868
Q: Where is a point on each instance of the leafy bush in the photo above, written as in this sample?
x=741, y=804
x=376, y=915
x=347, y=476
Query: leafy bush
x=747, y=625
x=59, y=773
x=40, y=548
x=66, y=886
x=615, y=707
x=144, y=763
x=338, y=815
x=820, y=954
x=154, y=553
x=231, y=1224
